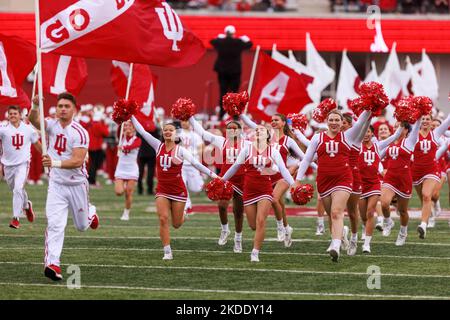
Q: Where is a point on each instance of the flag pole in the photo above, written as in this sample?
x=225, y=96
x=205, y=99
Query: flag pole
x=33, y=92
x=252, y=75
x=127, y=94
x=39, y=79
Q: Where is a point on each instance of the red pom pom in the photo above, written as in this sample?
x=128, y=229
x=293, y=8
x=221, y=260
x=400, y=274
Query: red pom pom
x=302, y=194
x=217, y=189
x=183, y=109
x=123, y=110
x=372, y=98
x=299, y=121
x=424, y=104
x=406, y=110
x=356, y=105
x=234, y=103
x=323, y=109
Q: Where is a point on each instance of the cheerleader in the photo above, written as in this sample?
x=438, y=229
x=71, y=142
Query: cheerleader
x=283, y=142
x=259, y=159
x=334, y=174
x=398, y=180
x=369, y=166
x=127, y=170
x=229, y=149
x=171, y=193
x=425, y=172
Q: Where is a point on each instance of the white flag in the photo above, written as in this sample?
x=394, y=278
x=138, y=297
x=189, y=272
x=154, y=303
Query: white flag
x=373, y=74
x=348, y=82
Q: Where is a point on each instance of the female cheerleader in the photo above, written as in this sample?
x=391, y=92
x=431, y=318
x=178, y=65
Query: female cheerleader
x=334, y=174
x=283, y=142
x=127, y=170
x=398, y=180
x=425, y=172
x=229, y=149
x=258, y=158
x=171, y=194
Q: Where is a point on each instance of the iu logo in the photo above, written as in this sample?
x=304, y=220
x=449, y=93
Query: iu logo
x=231, y=154
x=259, y=162
x=17, y=141
x=393, y=152
x=425, y=146
x=332, y=148
x=173, y=29
x=60, y=144
x=369, y=157
x=165, y=162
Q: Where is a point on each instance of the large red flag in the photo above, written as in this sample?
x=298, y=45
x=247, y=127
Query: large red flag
x=140, y=31
x=63, y=74
x=277, y=89
x=142, y=89
x=17, y=59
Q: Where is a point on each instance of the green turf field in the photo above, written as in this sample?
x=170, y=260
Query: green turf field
x=122, y=260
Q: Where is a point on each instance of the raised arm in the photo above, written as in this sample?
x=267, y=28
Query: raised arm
x=34, y=116
x=186, y=155
x=294, y=148
x=248, y=122
x=237, y=164
x=413, y=137
x=300, y=136
x=442, y=149
x=384, y=144
x=276, y=156
x=217, y=141
x=310, y=152
x=441, y=130
x=352, y=134
x=151, y=140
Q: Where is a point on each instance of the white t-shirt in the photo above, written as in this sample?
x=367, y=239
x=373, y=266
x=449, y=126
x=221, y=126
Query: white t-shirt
x=61, y=142
x=16, y=143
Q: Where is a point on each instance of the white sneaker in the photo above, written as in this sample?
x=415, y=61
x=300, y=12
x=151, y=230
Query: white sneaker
x=281, y=234
x=366, y=249
x=288, y=237
x=334, y=254
x=320, y=230
x=223, y=237
x=437, y=208
x=431, y=222
x=345, y=243
x=351, y=251
x=237, y=246
x=401, y=239
x=387, y=227
x=254, y=258
x=125, y=217
x=363, y=233
x=329, y=248
x=422, y=232
x=379, y=226
x=168, y=256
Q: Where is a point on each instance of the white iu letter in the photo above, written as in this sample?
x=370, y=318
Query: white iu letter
x=369, y=157
x=59, y=86
x=6, y=88
x=425, y=146
x=332, y=148
x=165, y=162
x=172, y=30
x=273, y=93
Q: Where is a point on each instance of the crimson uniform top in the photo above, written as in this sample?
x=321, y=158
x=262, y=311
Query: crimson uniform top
x=354, y=165
x=168, y=166
x=424, y=165
x=258, y=166
x=369, y=161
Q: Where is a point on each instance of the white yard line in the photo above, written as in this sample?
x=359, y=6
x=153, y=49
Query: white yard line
x=268, y=293
x=292, y=271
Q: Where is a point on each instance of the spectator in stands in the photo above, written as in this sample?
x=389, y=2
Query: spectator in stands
x=441, y=6
x=243, y=5
x=97, y=130
x=228, y=64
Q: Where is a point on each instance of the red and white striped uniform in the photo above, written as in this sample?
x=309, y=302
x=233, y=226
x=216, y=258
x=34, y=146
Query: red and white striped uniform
x=369, y=161
x=424, y=165
x=398, y=176
x=127, y=166
x=229, y=156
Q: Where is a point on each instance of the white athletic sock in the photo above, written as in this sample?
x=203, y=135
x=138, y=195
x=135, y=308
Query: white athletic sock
x=336, y=243
x=225, y=227
x=379, y=219
x=388, y=220
x=320, y=220
x=255, y=252
x=167, y=249
x=354, y=237
x=404, y=229
x=367, y=241
x=238, y=236
x=423, y=225
x=280, y=224
x=126, y=211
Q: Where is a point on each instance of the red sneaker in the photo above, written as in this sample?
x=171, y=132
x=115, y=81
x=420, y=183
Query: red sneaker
x=15, y=224
x=29, y=212
x=53, y=272
x=94, y=222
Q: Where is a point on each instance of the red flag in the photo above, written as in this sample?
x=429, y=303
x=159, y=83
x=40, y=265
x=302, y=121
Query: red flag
x=142, y=89
x=17, y=59
x=277, y=89
x=140, y=31
x=63, y=74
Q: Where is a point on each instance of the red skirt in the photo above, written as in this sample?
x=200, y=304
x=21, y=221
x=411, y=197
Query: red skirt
x=257, y=189
x=371, y=189
x=399, y=182
x=173, y=190
x=357, y=183
x=419, y=174
x=238, y=184
x=331, y=181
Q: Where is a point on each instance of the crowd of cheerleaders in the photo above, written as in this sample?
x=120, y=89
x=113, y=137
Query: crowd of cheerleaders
x=355, y=171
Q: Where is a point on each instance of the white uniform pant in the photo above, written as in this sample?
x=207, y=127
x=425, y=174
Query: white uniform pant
x=16, y=177
x=61, y=199
x=193, y=180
